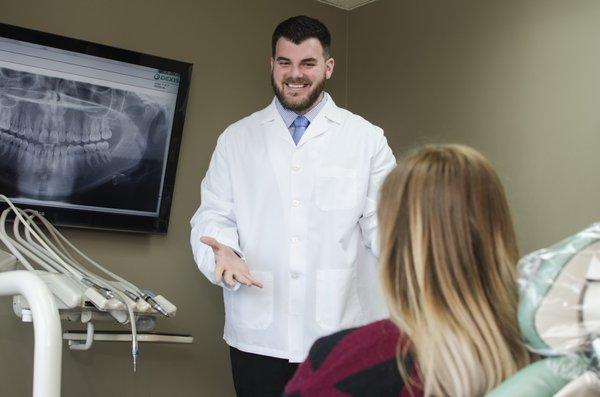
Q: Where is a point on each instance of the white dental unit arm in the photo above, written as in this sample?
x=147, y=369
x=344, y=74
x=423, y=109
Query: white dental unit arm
x=79, y=294
x=46, y=325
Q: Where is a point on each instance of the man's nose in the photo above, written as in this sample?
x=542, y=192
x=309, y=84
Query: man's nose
x=296, y=72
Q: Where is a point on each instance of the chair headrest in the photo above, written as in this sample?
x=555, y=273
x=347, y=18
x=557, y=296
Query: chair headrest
x=559, y=309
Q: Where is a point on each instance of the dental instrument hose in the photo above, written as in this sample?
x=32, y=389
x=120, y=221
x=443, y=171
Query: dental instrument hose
x=53, y=262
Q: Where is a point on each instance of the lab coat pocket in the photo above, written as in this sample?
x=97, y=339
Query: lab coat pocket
x=337, y=304
x=336, y=188
x=252, y=307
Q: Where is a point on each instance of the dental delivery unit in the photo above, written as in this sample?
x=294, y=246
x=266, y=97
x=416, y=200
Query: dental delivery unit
x=54, y=267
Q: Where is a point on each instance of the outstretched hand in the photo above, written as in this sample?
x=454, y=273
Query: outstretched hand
x=228, y=266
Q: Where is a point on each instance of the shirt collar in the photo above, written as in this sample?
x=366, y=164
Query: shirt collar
x=289, y=116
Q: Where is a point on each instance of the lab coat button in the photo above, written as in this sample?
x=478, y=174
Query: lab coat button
x=295, y=203
x=295, y=240
x=294, y=275
x=296, y=168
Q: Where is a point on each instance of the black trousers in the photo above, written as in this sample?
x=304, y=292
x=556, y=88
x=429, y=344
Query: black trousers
x=259, y=376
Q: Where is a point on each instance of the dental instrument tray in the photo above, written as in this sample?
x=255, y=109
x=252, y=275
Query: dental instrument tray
x=116, y=336
x=80, y=294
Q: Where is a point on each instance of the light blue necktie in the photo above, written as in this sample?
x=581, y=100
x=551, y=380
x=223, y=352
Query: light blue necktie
x=300, y=124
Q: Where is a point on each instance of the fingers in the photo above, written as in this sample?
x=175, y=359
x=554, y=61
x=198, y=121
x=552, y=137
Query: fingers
x=228, y=278
x=211, y=242
x=247, y=280
x=242, y=279
x=218, y=274
x=254, y=282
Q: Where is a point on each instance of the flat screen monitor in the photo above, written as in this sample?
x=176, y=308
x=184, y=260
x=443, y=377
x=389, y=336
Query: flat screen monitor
x=89, y=134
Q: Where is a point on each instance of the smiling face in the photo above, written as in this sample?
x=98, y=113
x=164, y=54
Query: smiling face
x=298, y=73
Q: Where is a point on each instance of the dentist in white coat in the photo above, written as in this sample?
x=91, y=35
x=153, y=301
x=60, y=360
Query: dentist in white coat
x=287, y=222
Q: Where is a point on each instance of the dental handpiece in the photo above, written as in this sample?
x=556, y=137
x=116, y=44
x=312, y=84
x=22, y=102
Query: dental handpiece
x=134, y=354
x=156, y=306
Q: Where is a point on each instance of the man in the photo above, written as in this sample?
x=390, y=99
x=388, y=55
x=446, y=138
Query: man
x=287, y=223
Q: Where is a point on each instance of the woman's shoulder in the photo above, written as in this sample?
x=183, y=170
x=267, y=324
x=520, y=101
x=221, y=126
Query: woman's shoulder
x=378, y=339
x=353, y=361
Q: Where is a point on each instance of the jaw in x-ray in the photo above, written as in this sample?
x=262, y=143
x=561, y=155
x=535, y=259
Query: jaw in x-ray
x=61, y=137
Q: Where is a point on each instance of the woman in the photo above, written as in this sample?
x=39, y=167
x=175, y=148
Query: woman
x=448, y=258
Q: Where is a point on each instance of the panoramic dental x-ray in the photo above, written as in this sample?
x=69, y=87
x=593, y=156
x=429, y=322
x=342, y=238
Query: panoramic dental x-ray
x=64, y=140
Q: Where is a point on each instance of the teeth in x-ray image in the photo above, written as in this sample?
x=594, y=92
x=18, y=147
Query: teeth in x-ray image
x=61, y=136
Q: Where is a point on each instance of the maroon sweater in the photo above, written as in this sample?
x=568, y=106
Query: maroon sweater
x=355, y=362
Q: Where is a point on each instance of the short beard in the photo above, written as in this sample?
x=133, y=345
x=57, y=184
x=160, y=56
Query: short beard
x=301, y=106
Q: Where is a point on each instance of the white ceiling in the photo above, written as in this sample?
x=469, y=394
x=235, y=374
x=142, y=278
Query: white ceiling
x=346, y=4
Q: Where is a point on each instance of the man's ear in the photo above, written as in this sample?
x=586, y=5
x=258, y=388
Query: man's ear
x=329, y=64
x=272, y=64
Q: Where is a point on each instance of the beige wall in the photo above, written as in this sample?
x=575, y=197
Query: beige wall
x=518, y=80
x=229, y=44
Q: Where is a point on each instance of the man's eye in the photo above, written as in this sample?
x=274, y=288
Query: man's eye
x=282, y=63
x=310, y=65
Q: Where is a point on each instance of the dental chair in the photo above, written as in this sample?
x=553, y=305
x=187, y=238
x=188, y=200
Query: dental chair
x=559, y=317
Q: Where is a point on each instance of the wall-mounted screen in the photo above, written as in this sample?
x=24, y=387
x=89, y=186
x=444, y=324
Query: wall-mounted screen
x=89, y=134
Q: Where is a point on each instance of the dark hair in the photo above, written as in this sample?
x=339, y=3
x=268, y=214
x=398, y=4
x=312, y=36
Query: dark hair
x=299, y=28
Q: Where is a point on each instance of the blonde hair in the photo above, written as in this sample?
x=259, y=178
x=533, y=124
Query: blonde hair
x=448, y=257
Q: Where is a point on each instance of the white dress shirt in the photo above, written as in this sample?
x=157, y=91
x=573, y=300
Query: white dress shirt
x=304, y=219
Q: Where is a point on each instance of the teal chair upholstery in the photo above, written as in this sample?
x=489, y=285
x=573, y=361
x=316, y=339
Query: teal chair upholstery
x=559, y=318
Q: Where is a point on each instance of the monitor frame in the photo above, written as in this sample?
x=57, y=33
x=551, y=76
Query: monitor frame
x=116, y=221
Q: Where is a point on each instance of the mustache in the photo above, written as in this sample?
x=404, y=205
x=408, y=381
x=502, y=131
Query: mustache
x=297, y=81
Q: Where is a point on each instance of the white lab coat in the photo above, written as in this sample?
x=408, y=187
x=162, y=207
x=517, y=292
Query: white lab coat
x=304, y=219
